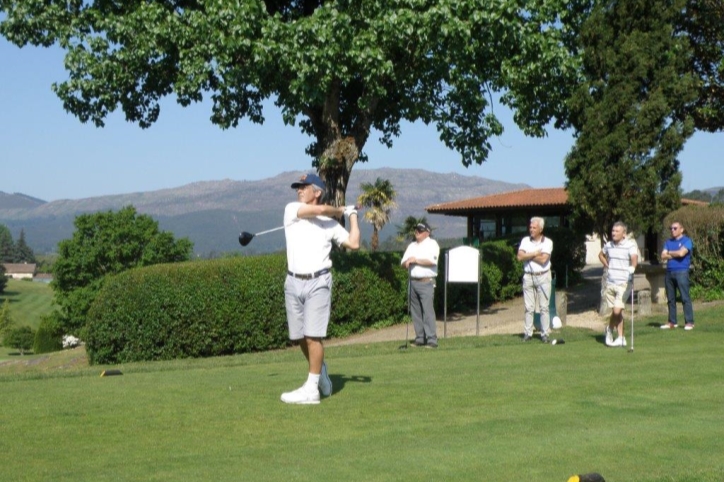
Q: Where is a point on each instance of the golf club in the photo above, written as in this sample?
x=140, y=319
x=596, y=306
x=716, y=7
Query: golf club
x=246, y=237
x=630, y=350
x=409, y=309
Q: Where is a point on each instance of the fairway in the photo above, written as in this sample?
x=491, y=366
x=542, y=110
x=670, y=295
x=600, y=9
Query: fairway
x=487, y=408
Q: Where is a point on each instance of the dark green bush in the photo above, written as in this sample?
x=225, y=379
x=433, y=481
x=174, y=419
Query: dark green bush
x=20, y=338
x=231, y=305
x=49, y=337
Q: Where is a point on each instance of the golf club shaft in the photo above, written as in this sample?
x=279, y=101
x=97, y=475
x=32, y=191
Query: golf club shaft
x=269, y=231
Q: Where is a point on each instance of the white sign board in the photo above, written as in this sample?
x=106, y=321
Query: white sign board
x=463, y=265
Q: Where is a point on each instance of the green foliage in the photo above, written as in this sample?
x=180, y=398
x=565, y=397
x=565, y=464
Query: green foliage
x=340, y=69
x=705, y=226
x=20, y=338
x=6, y=320
x=23, y=252
x=630, y=116
x=232, y=305
x=3, y=279
x=49, y=336
x=107, y=243
x=369, y=290
x=7, y=246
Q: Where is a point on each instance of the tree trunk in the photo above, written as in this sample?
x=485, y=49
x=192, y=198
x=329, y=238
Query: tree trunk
x=335, y=167
x=375, y=242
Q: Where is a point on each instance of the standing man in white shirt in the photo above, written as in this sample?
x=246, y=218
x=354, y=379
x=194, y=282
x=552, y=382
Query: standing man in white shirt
x=310, y=229
x=620, y=257
x=535, y=253
x=420, y=260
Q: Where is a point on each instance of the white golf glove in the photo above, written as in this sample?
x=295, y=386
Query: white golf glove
x=349, y=210
x=631, y=269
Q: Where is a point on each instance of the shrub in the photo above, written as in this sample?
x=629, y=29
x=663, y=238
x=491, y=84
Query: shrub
x=227, y=306
x=48, y=338
x=20, y=338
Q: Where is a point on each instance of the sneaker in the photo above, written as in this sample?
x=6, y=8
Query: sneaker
x=416, y=344
x=689, y=326
x=325, y=383
x=431, y=344
x=302, y=396
x=544, y=338
x=668, y=326
x=609, y=335
x=527, y=338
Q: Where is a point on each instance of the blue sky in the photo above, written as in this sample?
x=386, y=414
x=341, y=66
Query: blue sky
x=49, y=154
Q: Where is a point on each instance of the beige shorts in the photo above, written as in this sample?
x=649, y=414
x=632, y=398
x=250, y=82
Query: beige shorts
x=614, y=295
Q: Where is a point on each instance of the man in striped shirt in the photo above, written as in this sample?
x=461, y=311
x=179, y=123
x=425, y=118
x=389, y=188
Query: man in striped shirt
x=619, y=257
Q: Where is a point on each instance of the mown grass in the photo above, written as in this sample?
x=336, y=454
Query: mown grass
x=29, y=301
x=488, y=408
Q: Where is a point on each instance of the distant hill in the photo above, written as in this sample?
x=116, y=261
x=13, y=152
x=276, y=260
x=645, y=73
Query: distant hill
x=18, y=201
x=212, y=213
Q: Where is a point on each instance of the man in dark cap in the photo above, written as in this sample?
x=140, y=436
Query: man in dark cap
x=310, y=229
x=420, y=259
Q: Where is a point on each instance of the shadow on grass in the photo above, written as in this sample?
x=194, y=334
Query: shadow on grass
x=339, y=381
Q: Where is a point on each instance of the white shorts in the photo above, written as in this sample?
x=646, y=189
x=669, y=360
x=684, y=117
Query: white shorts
x=614, y=295
x=308, y=304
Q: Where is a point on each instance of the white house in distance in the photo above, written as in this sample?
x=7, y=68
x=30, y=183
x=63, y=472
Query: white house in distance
x=20, y=270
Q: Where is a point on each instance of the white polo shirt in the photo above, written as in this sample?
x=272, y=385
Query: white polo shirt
x=527, y=245
x=309, y=241
x=426, y=249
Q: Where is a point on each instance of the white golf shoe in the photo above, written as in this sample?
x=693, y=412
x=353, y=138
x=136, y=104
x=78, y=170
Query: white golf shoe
x=303, y=395
x=620, y=341
x=609, y=336
x=325, y=383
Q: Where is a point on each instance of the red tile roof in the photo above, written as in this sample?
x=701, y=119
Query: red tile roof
x=556, y=196
x=548, y=197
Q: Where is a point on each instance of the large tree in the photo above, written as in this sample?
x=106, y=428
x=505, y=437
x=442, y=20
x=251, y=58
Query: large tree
x=23, y=252
x=107, y=243
x=632, y=115
x=702, y=23
x=7, y=245
x=339, y=68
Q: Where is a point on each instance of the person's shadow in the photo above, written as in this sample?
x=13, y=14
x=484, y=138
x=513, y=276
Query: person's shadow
x=339, y=381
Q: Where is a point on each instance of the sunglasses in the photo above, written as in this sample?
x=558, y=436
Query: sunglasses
x=673, y=228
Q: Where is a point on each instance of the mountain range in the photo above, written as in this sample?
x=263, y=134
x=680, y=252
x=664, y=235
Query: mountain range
x=212, y=213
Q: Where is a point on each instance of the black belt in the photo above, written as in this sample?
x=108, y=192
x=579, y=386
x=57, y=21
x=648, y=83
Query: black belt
x=316, y=274
x=538, y=274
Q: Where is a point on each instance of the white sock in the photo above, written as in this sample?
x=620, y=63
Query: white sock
x=313, y=381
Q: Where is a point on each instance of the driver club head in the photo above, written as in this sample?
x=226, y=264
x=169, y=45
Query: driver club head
x=245, y=238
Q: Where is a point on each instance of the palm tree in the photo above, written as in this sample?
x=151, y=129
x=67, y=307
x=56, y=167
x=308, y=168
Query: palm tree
x=407, y=229
x=379, y=199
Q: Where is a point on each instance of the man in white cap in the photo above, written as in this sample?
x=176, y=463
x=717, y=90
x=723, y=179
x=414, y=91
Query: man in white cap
x=420, y=259
x=310, y=230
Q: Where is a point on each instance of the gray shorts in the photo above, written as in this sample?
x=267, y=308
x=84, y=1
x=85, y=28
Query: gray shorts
x=308, y=304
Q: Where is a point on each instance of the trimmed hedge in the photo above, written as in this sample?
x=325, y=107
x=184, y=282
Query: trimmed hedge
x=236, y=305
x=231, y=305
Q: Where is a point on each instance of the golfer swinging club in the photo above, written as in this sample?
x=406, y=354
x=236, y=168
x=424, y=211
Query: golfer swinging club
x=310, y=229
